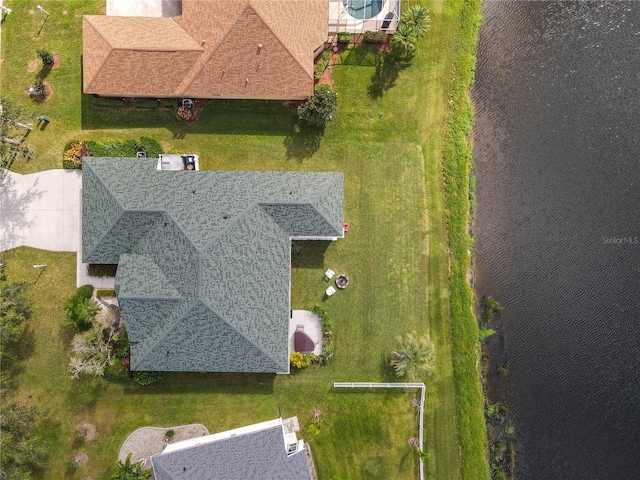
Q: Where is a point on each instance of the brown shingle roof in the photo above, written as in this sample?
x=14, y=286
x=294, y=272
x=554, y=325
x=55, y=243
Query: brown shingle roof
x=216, y=48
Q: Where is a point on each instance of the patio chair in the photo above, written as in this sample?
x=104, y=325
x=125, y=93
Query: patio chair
x=329, y=274
x=330, y=290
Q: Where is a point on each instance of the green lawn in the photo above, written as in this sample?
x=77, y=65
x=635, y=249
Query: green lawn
x=390, y=144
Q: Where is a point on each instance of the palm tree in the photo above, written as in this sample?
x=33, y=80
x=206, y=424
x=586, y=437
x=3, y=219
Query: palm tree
x=403, y=41
x=414, y=353
x=129, y=471
x=417, y=18
x=80, y=311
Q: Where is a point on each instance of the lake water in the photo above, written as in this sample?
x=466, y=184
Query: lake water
x=557, y=229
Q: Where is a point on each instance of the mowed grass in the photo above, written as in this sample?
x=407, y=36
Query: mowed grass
x=396, y=255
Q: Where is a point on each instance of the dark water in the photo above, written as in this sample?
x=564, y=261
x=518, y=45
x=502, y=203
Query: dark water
x=557, y=229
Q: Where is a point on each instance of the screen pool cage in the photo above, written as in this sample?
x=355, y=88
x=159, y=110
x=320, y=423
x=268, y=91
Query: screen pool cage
x=358, y=16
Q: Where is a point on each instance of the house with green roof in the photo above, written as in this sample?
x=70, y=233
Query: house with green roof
x=204, y=258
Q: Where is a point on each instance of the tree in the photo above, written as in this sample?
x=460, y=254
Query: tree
x=414, y=353
x=39, y=89
x=417, y=19
x=80, y=311
x=15, y=310
x=92, y=351
x=403, y=41
x=46, y=57
x=320, y=107
x=22, y=451
x=11, y=116
x=130, y=471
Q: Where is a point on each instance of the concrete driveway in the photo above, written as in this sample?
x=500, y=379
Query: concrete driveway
x=41, y=210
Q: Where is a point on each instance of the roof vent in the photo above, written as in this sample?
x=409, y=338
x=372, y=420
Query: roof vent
x=202, y=42
x=259, y=47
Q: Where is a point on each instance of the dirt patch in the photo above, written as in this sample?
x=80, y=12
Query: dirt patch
x=89, y=429
x=56, y=61
x=34, y=65
x=81, y=458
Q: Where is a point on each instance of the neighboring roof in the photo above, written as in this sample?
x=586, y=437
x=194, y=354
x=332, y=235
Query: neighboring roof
x=204, y=257
x=258, y=454
x=216, y=48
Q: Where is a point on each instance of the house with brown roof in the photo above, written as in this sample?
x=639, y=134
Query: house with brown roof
x=251, y=49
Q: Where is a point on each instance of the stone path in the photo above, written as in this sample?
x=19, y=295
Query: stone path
x=147, y=441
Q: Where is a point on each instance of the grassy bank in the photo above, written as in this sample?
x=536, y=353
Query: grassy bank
x=391, y=145
x=457, y=168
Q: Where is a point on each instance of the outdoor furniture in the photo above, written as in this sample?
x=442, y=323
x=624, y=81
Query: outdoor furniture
x=330, y=291
x=329, y=274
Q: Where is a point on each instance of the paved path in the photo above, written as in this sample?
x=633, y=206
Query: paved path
x=41, y=210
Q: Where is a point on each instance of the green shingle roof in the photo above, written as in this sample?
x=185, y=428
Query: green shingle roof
x=204, y=257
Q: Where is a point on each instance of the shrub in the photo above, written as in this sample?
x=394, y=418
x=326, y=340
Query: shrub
x=301, y=360
x=39, y=89
x=73, y=155
x=85, y=292
x=151, y=146
x=489, y=307
x=112, y=148
x=344, y=37
x=320, y=107
x=375, y=37
x=79, y=437
x=147, y=378
x=71, y=468
x=106, y=293
x=46, y=57
x=322, y=64
x=327, y=334
x=80, y=311
x=102, y=270
x=169, y=434
x=122, y=347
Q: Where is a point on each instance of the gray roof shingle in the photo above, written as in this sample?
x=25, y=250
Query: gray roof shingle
x=204, y=257
x=257, y=455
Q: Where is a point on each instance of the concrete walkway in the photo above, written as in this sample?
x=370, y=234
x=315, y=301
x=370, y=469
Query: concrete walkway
x=41, y=210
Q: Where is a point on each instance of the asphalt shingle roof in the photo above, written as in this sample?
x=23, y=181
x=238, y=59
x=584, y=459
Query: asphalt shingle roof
x=214, y=49
x=204, y=257
x=257, y=455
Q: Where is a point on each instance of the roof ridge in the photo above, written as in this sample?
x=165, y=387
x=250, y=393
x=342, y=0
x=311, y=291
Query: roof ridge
x=312, y=205
x=318, y=196
x=295, y=58
x=200, y=300
x=168, y=329
x=106, y=57
x=194, y=73
x=117, y=219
